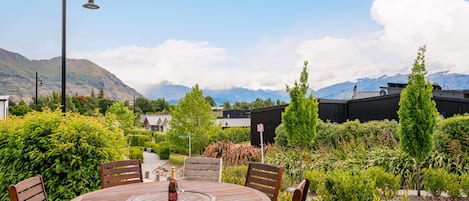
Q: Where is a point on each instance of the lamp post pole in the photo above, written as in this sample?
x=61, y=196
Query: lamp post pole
x=64, y=58
x=37, y=83
x=89, y=5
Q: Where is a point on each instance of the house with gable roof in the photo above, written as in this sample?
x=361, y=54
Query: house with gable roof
x=157, y=122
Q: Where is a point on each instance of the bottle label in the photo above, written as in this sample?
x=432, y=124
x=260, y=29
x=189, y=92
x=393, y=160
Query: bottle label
x=172, y=196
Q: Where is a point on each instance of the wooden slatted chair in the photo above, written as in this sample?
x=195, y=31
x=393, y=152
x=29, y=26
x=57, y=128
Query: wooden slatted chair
x=202, y=168
x=121, y=172
x=31, y=189
x=301, y=191
x=265, y=178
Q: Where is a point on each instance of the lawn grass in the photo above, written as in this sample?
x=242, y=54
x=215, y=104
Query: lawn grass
x=176, y=159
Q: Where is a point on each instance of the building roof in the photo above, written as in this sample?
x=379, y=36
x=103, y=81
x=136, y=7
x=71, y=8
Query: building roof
x=158, y=119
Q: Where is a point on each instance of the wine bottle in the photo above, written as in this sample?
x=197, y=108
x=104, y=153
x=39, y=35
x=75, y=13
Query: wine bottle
x=172, y=189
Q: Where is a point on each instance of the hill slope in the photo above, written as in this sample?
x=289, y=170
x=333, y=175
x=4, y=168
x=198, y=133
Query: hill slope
x=17, y=78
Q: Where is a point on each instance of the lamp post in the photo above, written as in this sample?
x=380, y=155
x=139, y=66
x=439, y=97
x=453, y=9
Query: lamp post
x=37, y=82
x=89, y=5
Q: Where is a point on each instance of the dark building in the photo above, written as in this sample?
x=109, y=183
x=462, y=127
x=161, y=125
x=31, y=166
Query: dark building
x=448, y=103
x=235, y=114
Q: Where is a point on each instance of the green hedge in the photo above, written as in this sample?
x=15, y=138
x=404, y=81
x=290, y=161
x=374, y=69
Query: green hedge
x=164, y=150
x=452, y=136
x=234, y=135
x=347, y=185
x=159, y=136
x=138, y=140
x=66, y=150
x=136, y=153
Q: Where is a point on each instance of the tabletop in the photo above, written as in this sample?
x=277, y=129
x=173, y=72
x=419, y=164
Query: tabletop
x=193, y=190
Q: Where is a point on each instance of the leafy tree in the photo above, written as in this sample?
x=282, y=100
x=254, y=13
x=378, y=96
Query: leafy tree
x=122, y=114
x=192, y=116
x=20, y=109
x=417, y=115
x=210, y=101
x=227, y=105
x=301, y=115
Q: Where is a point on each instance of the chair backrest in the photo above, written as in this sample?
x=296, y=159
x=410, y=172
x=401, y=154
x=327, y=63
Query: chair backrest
x=121, y=172
x=265, y=178
x=29, y=189
x=202, y=168
x=301, y=191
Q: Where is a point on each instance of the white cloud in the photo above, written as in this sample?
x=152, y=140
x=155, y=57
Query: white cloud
x=406, y=25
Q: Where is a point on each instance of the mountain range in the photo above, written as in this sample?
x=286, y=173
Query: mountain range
x=344, y=90
x=17, y=79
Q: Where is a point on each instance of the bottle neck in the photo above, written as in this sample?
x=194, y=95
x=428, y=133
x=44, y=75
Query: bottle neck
x=173, y=173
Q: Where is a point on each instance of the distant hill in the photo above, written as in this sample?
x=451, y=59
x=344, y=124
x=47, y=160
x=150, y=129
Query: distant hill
x=342, y=90
x=18, y=78
x=173, y=93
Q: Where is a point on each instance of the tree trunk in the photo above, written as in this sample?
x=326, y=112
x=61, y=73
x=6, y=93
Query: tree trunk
x=418, y=177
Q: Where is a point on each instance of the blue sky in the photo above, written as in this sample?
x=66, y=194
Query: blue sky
x=253, y=44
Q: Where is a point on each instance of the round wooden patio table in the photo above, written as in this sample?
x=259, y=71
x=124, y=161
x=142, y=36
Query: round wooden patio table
x=193, y=190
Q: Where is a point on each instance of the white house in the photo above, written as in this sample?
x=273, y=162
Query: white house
x=3, y=107
x=157, y=122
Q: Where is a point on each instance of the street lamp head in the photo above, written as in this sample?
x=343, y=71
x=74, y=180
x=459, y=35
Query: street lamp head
x=91, y=5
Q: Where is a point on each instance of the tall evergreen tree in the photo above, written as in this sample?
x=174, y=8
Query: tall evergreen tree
x=417, y=115
x=301, y=115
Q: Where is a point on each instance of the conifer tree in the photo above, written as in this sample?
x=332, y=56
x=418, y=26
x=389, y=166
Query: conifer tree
x=301, y=115
x=417, y=115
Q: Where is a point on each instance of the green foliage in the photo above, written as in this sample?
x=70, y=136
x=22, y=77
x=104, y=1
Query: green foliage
x=417, y=112
x=453, y=187
x=234, y=174
x=352, y=134
x=281, y=138
x=136, y=153
x=122, y=114
x=351, y=185
x=315, y=177
x=151, y=106
x=434, y=180
x=233, y=135
x=465, y=184
x=176, y=159
x=191, y=116
x=138, y=140
x=20, y=109
x=301, y=115
x=387, y=183
x=164, y=149
x=66, y=150
x=452, y=135
x=290, y=161
x=159, y=136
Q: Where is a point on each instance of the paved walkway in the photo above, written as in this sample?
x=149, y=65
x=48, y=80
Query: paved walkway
x=151, y=162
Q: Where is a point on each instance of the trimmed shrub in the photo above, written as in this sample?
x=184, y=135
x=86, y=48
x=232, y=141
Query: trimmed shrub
x=453, y=187
x=233, y=135
x=66, y=150
x=434, y=180
x=315, y=177
x=136, y=153
x=235, y=174
x=386, y=182
x=164, y=149
x=138, y=140
x=465, y=184
x=159, y=136
x=177, y=159
x=347, y=185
